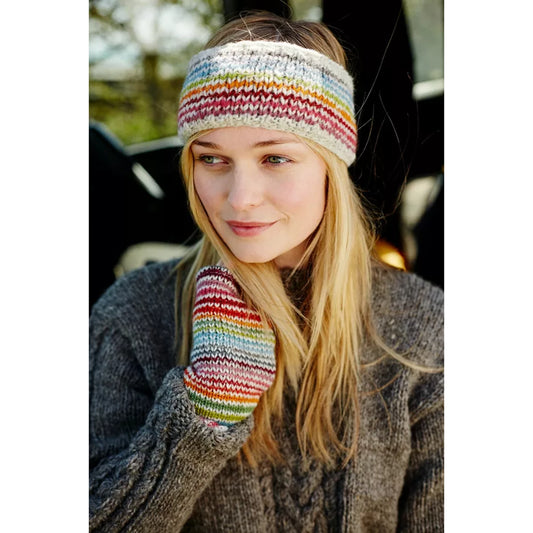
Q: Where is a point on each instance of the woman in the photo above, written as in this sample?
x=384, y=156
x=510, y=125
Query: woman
x=307, y=394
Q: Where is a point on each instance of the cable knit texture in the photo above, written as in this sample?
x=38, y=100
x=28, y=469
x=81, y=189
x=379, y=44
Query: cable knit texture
x=156, y=467
x=232, y=358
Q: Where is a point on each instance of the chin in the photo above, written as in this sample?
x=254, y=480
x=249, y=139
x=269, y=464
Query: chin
x=248, y=257
x=253, y=259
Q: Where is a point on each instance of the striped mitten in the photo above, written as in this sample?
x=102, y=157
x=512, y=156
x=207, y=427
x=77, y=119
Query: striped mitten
x=232, y=359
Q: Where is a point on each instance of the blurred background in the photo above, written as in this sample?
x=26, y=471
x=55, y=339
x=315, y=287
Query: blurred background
x=138, y=56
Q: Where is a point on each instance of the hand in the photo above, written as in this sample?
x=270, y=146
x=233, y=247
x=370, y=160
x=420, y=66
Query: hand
x=232, y=358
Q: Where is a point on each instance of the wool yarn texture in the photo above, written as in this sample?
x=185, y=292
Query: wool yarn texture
x=233, y=354
x=273, y=85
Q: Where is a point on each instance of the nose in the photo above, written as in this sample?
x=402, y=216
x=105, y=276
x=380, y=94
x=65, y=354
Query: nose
x=245, y=189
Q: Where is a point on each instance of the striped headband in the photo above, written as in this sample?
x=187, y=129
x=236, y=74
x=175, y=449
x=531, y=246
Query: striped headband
x=273, y=85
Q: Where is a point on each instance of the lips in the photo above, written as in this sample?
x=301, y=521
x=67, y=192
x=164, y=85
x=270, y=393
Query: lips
x=248, y=229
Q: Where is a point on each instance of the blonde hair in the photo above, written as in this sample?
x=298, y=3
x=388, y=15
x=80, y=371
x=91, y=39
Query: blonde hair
x=320, y=361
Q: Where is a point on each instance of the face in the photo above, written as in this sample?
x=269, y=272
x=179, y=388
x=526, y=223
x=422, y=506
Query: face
x=264, y=191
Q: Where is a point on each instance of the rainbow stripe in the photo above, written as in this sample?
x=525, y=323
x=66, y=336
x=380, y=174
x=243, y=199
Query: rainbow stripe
x=273, y=85
x=232, y=358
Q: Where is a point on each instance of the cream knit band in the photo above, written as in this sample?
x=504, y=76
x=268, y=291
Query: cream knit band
x=273, y=85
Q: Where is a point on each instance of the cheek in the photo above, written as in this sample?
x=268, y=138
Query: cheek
x=308, y=200
x=314, y=211
x=205, y=192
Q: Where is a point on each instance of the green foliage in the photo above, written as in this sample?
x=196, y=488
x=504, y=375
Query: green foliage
x=126, y=109
x=136, y=92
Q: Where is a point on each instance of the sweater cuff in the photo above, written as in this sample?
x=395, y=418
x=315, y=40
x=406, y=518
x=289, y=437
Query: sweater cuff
x=186, y=424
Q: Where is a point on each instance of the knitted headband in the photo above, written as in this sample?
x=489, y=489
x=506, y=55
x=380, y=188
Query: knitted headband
x=273, y=85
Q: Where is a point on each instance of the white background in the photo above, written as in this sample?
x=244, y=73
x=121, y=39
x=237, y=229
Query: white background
x=44, y=266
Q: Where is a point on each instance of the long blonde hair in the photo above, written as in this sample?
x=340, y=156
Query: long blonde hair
x=320, y=361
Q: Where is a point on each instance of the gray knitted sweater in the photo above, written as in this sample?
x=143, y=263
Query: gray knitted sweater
x=156, y=468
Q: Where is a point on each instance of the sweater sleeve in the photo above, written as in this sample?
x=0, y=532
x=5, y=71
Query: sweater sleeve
x=421, y=506
x=150, y=456
x=422, y=501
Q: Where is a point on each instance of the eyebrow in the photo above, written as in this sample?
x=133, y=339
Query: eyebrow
x=206, y=144
x=260, y=144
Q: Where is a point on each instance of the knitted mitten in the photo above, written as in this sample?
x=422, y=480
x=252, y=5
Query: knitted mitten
x=232, y=359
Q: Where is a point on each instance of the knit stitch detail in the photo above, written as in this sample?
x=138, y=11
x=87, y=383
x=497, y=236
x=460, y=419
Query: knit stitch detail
x=299, y=497
x=274, y=85
x=232, y=357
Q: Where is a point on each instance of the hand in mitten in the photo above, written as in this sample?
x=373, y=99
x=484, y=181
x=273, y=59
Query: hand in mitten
x=232, y=359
